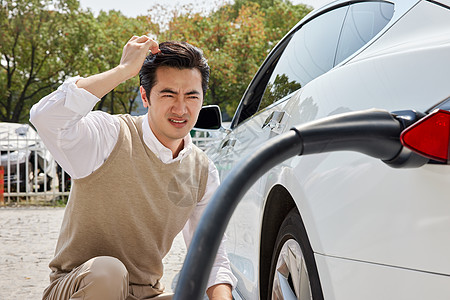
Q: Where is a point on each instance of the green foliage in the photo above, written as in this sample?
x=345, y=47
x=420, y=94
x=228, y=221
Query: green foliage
x=235, y=38
x=42, y=42
x=115, y=30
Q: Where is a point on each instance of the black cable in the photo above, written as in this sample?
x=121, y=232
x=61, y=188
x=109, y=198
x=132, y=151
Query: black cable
x=373, y=132
x=200, y=257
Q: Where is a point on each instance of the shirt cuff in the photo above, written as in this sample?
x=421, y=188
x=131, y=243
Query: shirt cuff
x=221, y=275
x=77, y=100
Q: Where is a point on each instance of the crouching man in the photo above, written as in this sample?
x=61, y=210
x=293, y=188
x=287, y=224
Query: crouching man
x=137, y=181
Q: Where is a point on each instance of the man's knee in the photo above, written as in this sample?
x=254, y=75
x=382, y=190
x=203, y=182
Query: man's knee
x=101, y=277
x=106, y=263
x=105, y=278
x=106, y=267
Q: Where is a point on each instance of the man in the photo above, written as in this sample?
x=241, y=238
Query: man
x=138, y=181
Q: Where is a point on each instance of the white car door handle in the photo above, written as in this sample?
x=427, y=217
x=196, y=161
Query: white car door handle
x=228, y=143
x=273, y=121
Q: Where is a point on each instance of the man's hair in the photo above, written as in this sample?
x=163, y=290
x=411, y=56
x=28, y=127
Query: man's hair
x=180, y=55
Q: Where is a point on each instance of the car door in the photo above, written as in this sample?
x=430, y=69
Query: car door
x=307, y=52
x=261, y=115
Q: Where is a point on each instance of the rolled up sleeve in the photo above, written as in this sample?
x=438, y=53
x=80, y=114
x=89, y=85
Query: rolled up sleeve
x=79, y=139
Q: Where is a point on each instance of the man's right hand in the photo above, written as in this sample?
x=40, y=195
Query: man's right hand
x=135, y=52
x=133, y=57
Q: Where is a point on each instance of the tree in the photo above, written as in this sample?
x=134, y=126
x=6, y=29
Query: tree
x=41, y=42
x=235, y=38
x=115, y=30
x=281, y=17
x=239, y=58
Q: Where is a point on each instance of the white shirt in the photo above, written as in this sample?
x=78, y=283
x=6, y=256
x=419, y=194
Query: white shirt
x=81, y=140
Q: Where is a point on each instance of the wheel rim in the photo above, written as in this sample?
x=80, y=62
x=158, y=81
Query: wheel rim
x=291, y=279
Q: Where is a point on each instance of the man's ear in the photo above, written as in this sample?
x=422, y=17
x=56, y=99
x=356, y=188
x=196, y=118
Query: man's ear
x=145, y=99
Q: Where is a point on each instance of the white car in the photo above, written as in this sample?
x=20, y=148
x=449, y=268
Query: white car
x=344, y=225
x=27, y=163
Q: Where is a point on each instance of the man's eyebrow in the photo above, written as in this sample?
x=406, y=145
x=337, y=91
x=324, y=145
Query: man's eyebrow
x=167, y=90
x=170, y=91
x=193, y=92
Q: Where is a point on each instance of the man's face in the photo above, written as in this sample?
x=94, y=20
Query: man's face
x=174, y=104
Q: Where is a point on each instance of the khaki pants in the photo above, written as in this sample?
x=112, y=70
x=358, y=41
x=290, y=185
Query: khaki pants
x=101, y=278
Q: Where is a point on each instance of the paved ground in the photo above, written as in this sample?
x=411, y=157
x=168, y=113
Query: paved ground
x=27, y=242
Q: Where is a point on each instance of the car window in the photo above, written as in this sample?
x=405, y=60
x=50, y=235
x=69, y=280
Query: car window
x=315, y=48
x=309, y=54
x=363, y=21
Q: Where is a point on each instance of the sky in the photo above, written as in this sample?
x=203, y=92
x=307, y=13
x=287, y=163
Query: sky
x=132, y=8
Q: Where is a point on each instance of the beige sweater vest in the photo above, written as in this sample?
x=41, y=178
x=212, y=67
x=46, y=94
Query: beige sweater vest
x=131, y=208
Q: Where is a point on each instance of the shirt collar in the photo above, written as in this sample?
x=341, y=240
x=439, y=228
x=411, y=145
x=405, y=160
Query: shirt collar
x=161, y=151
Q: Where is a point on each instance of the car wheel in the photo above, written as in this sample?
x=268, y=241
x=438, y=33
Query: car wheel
x=293, y=275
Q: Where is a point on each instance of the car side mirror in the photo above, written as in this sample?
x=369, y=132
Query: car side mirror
x=209, y=118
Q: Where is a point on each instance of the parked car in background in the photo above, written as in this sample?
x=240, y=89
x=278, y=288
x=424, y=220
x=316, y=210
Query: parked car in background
x=28, y=165
x=343, y=225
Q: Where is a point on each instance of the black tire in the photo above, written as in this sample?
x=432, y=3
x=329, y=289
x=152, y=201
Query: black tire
x=290, y=280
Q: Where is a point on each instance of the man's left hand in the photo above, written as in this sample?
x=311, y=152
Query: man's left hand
x=219, y=292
